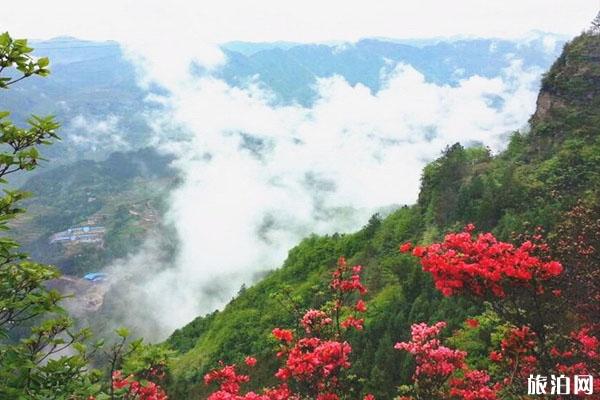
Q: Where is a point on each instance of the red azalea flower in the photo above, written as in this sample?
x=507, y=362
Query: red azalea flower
x=472, y=323
x=360, y=306
x=405, y=248
x=284, y=335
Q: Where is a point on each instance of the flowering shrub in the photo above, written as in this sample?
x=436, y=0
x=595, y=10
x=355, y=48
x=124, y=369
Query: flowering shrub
x=579, y=356
x=473, y=385
x=131, y=389
x=442, y=372
x=230, y=383
x=434, y=361
x=517, y=280
x=483, y=265
x=516, y=357
x=284, y=335
x=577, y=244
x=250, y=361
x=315, y=359
x=519, y=283
x=314, y=320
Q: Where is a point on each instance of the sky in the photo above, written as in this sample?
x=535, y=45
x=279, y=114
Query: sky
x=323, y=168
x=303, y=21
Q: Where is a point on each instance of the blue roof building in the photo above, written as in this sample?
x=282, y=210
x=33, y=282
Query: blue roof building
x=95, y=276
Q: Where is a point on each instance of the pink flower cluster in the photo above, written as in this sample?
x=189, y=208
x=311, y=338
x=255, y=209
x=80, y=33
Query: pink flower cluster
x=314, y=320
x=230, y=384
x=433, y=359
x=441, y=371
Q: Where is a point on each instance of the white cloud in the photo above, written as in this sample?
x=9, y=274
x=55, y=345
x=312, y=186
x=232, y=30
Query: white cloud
x=90, y=133
x=549, y=43
x=327, y=168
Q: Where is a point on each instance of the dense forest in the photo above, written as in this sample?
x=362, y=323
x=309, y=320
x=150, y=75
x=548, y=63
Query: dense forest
x=364, y=332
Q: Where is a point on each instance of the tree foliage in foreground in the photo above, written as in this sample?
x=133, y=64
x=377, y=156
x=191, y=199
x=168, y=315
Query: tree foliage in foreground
x=42, y=354
x=50, y=361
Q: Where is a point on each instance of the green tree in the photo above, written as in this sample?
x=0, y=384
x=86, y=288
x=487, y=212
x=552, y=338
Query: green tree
x=48, y=358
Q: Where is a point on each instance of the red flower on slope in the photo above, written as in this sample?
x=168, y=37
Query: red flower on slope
x=405, y=247
x=474, y=385
x=472, y=323
x=283, y=335
x=346, y=284
x=316, y=362
x=482, y=264
x=250, y=361
x=135, y=390
x=353, y=322
x=360, y=306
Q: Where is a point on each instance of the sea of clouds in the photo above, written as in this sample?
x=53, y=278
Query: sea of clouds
x=258, y=176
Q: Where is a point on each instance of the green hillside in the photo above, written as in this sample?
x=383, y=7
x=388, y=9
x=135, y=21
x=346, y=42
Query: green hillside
x=541, y=175
x=123, y=194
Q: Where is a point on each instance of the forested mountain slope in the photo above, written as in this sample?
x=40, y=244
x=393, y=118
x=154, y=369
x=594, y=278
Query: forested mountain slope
x=541, y=175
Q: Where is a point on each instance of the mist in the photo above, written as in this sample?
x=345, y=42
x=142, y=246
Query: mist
x=258, y=176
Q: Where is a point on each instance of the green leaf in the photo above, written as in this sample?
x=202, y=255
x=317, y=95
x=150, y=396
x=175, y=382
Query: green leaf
x=5, y=39
x=122, y=332
x=43, y=62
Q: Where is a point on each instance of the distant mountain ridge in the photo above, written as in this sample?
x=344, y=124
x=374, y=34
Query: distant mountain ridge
x=94, y=92
x=291, y=71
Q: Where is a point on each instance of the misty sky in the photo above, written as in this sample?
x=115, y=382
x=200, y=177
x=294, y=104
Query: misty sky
x=307, y=21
